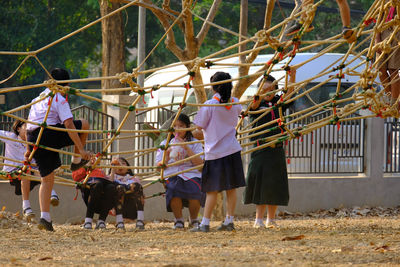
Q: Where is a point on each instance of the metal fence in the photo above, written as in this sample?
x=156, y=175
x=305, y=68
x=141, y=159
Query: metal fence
x=392, y=146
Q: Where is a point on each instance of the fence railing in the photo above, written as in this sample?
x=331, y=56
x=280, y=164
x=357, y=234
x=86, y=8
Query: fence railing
x=392, y=146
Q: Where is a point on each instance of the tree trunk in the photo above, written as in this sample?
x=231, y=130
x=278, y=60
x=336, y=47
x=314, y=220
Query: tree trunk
x=113, y=45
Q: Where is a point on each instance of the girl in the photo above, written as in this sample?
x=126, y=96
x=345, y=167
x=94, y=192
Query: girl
x=99, y=195
x=223, y=170
x=15, y=152
x=183, y=190
x=132, y=204
x=267, y=180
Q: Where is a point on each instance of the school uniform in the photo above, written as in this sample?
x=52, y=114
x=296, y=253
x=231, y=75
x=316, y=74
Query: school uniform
x=14, y=150
x=132, y=202
x=267, y=179
x=223, y=169
x=99, y=193
x=185, y=185
x=60, y=111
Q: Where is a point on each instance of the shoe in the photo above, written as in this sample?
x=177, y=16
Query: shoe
x=179, y=225
x=120, y=226
x=295, y=28
x=45, y=225
x=28, y=214
x=194, y=224
x=77, y=166
x=258, y=225
x=348, y=34
x=54, y=200
x=87, y=226
x=100, y=226
x=271, y=224
x=201, y=228
x=139, y=225
x=226, y=227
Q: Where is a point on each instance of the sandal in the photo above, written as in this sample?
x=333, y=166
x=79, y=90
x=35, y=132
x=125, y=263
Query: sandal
x=120, y=226
x=100, y=226
x=179, y=225
x=54, y=200
x=139, y=225
x=87, y=226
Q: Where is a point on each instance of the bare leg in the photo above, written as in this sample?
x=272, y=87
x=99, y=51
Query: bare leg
x=395, y=83
x=211, y=200
x=45, y=192
x=230, y=202
x=194, y=207
x=83, y=136
x=344, y=12
x=176, y=206
x=385, y=80
x=25, y=188
x=260, y=211
x=271, y=211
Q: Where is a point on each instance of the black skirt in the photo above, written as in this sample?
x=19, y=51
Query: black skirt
x=185, y=190
x=223, y=174
x=17, y=183
x=267, y=179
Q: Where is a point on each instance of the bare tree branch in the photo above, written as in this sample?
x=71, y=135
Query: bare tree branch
x=210, y=17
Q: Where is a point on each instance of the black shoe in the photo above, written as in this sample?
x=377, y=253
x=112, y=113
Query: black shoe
x=194, y=224
x=77, y=166
x=54, y=200
x=347, y=32
x=28, y=214
x=226, y=227
x=120, y=226
x=201, y=228
x=100, y=226
x=139, y=225
x=45, y=225
x=295, y=28
x=179, y=225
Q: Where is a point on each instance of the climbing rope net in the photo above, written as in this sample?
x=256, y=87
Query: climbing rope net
x=364, y=94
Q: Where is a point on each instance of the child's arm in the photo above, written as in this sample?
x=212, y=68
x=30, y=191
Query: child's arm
x=196, y=160
x=69, y=124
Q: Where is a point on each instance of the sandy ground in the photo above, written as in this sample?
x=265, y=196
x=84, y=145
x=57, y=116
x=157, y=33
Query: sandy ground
x=313, y=240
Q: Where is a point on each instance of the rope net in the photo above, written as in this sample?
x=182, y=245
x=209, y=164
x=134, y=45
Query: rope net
x=344, y=105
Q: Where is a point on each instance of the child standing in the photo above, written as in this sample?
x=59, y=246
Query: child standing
x=15, y=151
x=59, y=116
x=99, y=195
x=131, y=204
x=183, y=190
x=223, y=169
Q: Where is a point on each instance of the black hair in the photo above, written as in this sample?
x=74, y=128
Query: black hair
x=224, y=89
x=16, y=126
x=270, y=79
x=130, y=172
x=60, y=74
x=185, y=119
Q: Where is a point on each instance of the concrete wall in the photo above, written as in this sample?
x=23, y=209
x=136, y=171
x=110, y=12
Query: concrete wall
x=307, y=193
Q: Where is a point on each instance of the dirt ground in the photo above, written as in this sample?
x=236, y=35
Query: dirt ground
x=334, y=237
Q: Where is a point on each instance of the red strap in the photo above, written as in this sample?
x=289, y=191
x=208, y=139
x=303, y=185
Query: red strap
x=227, y=107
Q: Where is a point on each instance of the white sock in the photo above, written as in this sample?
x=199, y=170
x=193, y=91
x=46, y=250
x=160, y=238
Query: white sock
x=269, y=221
x=46, y=216
x=228, y=220
x=140, y=215
x=88, y=220
x=119, y=218
x=179, y=219
x=76, y=159
x=53, y=193
x=26, y=204
x=205, y=221
x=259, y=221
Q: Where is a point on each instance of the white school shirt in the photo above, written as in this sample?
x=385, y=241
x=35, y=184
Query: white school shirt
x=59, y=110
x=196, y=148
x=126, y=179
x=14, y=150
x=218, y=125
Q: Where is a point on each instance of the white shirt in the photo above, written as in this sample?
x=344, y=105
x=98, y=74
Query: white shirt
x=218, y=125
x=59, y=110
x=126, y=179
x=14, y=150
x=179, y=154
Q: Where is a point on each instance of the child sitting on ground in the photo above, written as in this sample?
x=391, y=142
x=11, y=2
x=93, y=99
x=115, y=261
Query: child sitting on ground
x=130, y=195
x=99, y=195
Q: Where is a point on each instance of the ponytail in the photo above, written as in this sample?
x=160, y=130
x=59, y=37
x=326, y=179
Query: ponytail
x=224, y=89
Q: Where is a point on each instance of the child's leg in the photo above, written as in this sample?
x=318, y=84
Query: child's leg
x=260, y=211
x=194, y=208
x=230, y=202
x=395, y=83
x=83, y=138
x=344, y=12
x=109, y=200
x=44, y=196
x=211, y=200
x=25, y=188
x=96, y=190
x=176, y=206
x=385, y=80
x=271, y=214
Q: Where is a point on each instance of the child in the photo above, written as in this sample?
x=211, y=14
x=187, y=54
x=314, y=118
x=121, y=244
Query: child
x=267, y=180
x=59, y=116
x=99, y=195
x=223, y=170
x=389, y=70
x=15, y=151
x=183, y=190
x=344, y=9
x=132, y=203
